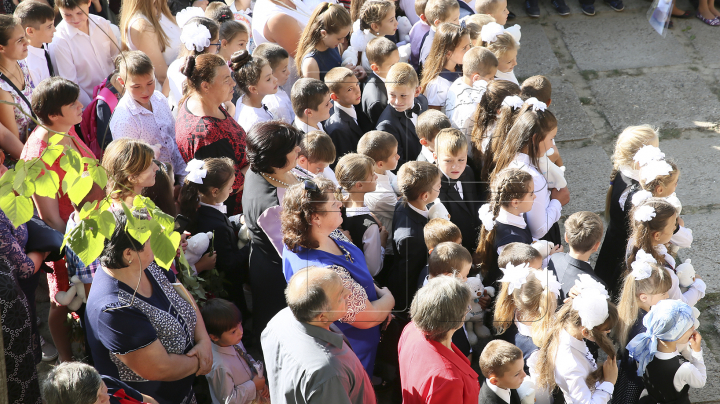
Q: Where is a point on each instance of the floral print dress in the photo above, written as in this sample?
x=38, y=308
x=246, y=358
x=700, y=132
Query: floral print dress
x=24, y=123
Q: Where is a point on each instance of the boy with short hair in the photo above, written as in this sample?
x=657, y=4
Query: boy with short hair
x=479, y=68
x=311, y=103
x=438, y=231
x=83, y=51
x=235, y=376
x=278, y=104
x=457, y=191
x=436, y=13
x=430, y=123
x=317, y=153
x=520, y=253
x=348, y=123
x=382, y=54
x=583, y=233
x=502, y=365
x=405, y=105
x=497, y=9
x=38, y=21
x=419, y=183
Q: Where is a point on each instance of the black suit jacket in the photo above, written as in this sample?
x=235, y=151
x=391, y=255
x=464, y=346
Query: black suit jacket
x=463, y=211
x=410, y=254
x=400, y=126
x=488, y=396
x=344, y=132
x=568, y=269
x=374, y=98
x=229, y=256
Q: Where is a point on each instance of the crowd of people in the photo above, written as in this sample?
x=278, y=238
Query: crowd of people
x=384, y=200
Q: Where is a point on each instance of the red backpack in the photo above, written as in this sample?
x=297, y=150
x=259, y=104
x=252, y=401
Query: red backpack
x=88, y=126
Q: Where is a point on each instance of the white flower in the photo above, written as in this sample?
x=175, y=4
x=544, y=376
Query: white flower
x=641, y=269
x=195, y=37
x=585, y=281
x=644, y=213
x=536, y=104
x=513, y=101
x=490, y=32
x=186, y=14
x=647, y=154
x=195, y=170
x=653, y=169
x=548, y=280
x=515, y=276
x=641, y=196
x=592, y=306
x=486, y=216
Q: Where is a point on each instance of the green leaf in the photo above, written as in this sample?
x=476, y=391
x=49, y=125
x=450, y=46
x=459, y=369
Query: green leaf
x=70, y=162
x=163, y=246
x=47, y=184
x=86, y=209
x=20, y=174
x=106, y=223
x=19, y=209
x=55, y=139
x=80, y=189
x=139, y=229
x=8, y=178
x=86, y=241
x=98, y=174
x=51, y=154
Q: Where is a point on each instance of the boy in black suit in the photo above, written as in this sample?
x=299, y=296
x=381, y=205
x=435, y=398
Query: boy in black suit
x=348, y=123
x=457, y=191
x=583, y=233
x=419, y=183
x=430, y=123
x=382, y=53
x=405, y=104
x=502, y=365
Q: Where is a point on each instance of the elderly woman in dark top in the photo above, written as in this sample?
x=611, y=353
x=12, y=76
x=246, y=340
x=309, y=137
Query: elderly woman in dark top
x=139, y=329
x=272, y=150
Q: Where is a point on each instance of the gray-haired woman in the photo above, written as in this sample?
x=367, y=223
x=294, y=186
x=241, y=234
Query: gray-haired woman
x=430, y=364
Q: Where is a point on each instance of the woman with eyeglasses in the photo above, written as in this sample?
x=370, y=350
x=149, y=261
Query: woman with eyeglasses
x=204, y=128
x=199, y=36
x=139, y=329
x=311, y=213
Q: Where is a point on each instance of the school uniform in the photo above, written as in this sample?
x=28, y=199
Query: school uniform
x=402, y=126
x=305, y=128
x=326, y=60
x=248, y=116
x=426, y=45
x=437, y=89
x=417, y=35
x=573, y=363
x=365, y=234
x=508, y=228
x=461, y=105
x=426, y=155
x=374, y=97
x=465, y=9
x=460, y=199
x=39, y=63
x=410, y=253
x=507, y=76
x=280, y=106
x=629, y=385
x=382, y=201
x=345, y=127
x=669, y=376
x=520, y=335
x=492, y=394
x=568, y=269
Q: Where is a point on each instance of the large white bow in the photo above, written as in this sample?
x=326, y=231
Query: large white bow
x=195, y=170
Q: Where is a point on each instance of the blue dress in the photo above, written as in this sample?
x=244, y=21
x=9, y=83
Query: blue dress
x=326, y=60
x=364, y=342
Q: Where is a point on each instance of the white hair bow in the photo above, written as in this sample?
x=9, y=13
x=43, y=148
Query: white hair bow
x=585, y=281
x=641, y=268
x=647, y=154
x=486, y=216
x=548, y=280
x=641, y=196
x=536, y=104
x=653, y=169
x=187, y=14
x=513, y=101
x=490, y=32
x=195, y=170
x=592, y=306
x=195, y=37
x=644, y=213
x=515, y=276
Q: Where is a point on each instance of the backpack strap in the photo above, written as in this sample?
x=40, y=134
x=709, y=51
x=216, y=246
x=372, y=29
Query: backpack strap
x=109, y=97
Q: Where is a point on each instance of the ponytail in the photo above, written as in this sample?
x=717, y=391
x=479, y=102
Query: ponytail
x=351, y=169
x=246, y=69
x=331, y=18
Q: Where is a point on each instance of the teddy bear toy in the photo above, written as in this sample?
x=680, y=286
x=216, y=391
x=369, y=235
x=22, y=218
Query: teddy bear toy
x=544, y=247
x=554, y=175
x=74, y=297
x=474, y=320
x=686, y=275
x=197, y=246
x=243, y=233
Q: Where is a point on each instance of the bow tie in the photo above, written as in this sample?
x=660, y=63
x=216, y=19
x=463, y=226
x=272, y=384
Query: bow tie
x=414, y=110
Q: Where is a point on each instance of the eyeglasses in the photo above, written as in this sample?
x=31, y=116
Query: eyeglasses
x=218, y=45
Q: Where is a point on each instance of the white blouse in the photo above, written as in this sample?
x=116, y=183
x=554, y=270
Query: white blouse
x=372, y=248
x=280, y=106
x=248, y=116
x=437, y=91
x=382, y=201
x=545, y=211
x=573, y=364
x=692, y=373
x=175, y=80
x=509, y=76
x=461, y=104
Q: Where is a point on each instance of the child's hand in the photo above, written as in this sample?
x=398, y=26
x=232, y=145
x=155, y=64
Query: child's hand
x=259, y=383
x=574, y=292
x=610, y=371
x=563, y=195
x=265, y=393
x=183, y=244
x=558, y=248
x=695, y=341
x=383, y=235
x=207, y=262
x=680, y=222
x=484, y=301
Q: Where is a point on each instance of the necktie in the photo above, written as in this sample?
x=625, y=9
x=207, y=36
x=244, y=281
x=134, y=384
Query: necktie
x=458, y=188
x=414, y=110
x=49, y=63
x=249, y=360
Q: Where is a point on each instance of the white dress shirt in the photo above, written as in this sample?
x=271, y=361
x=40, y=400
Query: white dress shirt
x=507, y=76
x=307, y=128
x=504, y=394
x=458, y=185
x=382, y=201
x=425, y=212
x=280, y=106
x=221, y=207
x=461, y=104
x=573, y=363
x=425, y=50
x=372, y=248
x=436, y=92
x=505, y=217
x=248, y=116
x=37, y=64
x=428, y=154
x=132, y=120
x=84, y=59
x=692, y=373
x=350, y=111
x=545, y=211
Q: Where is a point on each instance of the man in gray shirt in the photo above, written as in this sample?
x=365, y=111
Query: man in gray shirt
x=306, y=358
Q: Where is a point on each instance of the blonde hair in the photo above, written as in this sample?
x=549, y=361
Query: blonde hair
x=474, y=24
x=317, y=146
x=415, y=178
x=450, y=141
x=566, y=316
x=430, y=123
x=373, y=12
x=336, y=77
x=503, y=44
x=530, y=302
x=479, y=60
x=661, y=180
x=378, y=50
x=486, y=6
x=583, y=230
x=401, y=74
x=448, y=258
x=440, y=230
x=447, y=38
x=332, y=18
x=147, y=9
x=125, y=158
x=439, y=10
x=642, y=231
x=496, y=356
x=657, y=283
x=351, y=169
x=377, y=145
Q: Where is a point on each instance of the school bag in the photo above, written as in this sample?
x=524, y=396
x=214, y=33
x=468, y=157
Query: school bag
x=88, y=126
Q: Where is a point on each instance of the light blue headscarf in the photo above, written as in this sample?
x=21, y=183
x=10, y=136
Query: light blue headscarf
x=668, y=320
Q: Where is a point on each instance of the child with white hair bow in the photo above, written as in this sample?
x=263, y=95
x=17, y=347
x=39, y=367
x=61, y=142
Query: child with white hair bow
x=667, y=373
x=505, y=45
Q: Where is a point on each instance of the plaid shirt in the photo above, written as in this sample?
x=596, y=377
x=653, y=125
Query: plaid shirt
x=74, y=264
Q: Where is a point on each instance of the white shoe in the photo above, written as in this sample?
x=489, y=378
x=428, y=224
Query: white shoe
x=49, y=352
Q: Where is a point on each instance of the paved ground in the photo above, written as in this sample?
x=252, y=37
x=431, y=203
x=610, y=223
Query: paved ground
x=611, y=71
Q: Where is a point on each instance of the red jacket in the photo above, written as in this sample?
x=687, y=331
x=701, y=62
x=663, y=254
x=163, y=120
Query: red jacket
x=430, y=373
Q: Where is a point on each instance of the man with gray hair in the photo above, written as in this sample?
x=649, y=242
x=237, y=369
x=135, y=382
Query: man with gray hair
x=306, y=357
